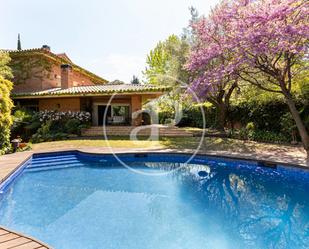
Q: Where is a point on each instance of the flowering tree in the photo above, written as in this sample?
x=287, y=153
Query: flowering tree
x=266, y=40
x=211, y=81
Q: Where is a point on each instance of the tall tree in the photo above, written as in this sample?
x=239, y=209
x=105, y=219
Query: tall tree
x=18, y=43
x=267, y=41
x=165, y=62
x=208, y=81
x=165, y=67
x=6, y=103
x=135, y=80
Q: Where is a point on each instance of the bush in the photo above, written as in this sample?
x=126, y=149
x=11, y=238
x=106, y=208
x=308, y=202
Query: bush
x=267, y=136
x=73, y=126
x=46, y=134
x=251, y=133
x=267, y=116
x=25, y=124
x=6, y=105
x=272, y=118
x=193, y=117
x=57, y=125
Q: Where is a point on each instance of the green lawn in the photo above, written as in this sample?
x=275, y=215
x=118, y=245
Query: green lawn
x=209, y=144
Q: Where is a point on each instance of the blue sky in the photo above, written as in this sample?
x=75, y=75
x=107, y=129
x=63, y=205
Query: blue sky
x=108, y=37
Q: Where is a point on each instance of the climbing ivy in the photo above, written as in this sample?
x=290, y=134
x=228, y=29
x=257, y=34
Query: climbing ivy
x=27, y=66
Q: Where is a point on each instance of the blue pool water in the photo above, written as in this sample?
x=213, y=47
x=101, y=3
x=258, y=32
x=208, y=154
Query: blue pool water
x=78, y=201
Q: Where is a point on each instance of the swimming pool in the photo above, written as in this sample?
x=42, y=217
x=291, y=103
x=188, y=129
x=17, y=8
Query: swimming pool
x=82, y=201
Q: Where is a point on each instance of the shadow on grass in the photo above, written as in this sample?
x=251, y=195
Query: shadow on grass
x=284, y=153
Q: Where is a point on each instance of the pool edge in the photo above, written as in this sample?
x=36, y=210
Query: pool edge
x=211, y=155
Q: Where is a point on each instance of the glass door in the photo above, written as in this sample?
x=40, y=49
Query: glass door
x=101, y=112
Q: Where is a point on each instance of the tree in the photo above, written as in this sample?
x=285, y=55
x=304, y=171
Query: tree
x=208, y=81
x=165, y=62
x=165, y=67
x=188, y=32
x=267, y=41
x=135, y=80
x=6, y=103
x=18, y=43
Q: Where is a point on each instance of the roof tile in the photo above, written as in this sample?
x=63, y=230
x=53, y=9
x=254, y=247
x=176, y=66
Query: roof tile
x=94, y=89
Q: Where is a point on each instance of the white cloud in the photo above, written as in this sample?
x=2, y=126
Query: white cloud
x=119, y=66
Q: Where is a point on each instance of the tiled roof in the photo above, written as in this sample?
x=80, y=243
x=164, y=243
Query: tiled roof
x=61, y=58
x=93, y=90
x=64, y=56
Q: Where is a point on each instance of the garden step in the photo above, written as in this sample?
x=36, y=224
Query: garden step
x=126, y=130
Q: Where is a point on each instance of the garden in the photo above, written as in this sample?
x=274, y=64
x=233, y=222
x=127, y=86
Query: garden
x=246, y=63
x=45, y=126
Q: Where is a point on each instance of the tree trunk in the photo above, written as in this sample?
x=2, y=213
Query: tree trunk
x=299, y=123
x=221, y=116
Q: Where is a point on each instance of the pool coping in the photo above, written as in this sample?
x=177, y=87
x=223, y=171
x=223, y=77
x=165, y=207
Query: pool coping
x=17, y=168
x=32, y=239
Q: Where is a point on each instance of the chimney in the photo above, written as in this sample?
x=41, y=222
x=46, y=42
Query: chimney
x=46, y=47
x=66, y=76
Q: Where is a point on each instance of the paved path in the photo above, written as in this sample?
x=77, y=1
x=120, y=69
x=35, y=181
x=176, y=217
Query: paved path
x=14, y=240
x=10, y=162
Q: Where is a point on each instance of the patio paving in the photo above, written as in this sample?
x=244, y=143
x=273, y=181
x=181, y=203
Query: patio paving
x=14, y=240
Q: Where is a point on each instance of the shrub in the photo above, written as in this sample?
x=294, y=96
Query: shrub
x=289, y=128
x=193, y=117
x=164, y=116
x=268, y=136
x=6, y=105
x=267, y=116
x=45, y=134
x=271, y=118
x=73, y=126
x=57, y=125
x=25, y=124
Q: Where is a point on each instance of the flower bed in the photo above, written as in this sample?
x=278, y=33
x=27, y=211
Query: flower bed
x=54, y=116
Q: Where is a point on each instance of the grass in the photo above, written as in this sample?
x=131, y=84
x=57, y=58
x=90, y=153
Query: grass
x=177, y=143
x=224, y=146
x=117, y=142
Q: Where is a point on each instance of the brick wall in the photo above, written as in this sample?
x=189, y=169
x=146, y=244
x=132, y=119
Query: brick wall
x=39, y=80
x=60, y=104
x=80, y=79
x=136, y=105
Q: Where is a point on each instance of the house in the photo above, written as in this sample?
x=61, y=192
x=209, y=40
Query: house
x=44, y=80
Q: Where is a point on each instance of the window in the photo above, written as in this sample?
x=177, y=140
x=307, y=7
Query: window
x=120, y=110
